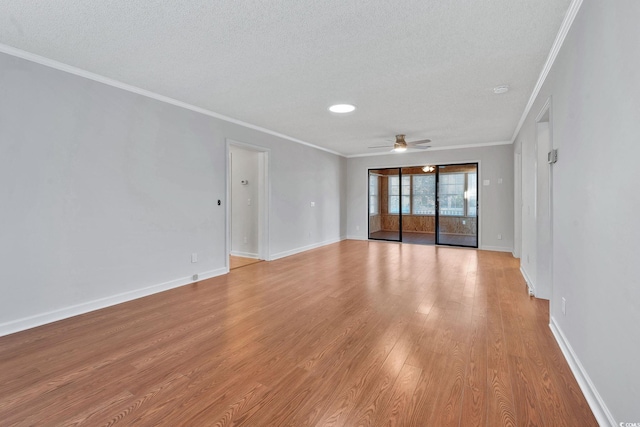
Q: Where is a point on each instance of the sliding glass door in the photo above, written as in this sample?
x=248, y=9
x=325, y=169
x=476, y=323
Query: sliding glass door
x=387, y=200
x=425, y=204
x=457, y=202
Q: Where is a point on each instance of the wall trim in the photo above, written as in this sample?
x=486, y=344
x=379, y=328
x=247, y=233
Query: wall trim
x=569, y=17
x=86, y=307
x=355, y=237
x=595, y=401
x=449, y=147
x=482, y=248
x=244, y=254
x=32, y=57
x=496, y=248
x=305, y=248
x=528, y=281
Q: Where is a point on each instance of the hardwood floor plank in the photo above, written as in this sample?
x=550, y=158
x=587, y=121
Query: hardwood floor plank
x=448, y=403
x=377, y=393
x=354, y=333
x=526, y=396
x=425, y=395
x=397, y=410
x=501, y=408
x=365, y=371
x=474, y=407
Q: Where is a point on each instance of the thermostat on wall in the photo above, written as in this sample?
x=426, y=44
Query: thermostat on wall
x=244, y=182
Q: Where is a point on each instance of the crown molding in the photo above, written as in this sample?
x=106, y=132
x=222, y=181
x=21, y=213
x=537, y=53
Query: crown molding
x=147, y=93
x=569, y=17
x=449, y=147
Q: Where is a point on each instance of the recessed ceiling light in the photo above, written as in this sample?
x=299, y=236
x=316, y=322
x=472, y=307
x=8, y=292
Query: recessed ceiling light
x=501, y=89
x=342, y=108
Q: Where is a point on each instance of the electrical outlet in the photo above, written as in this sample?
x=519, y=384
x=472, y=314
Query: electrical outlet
x=245, y=239
x=194, y=277
x=313, y=204
x=248, y=202
x=499, y=236
x=194, y=257
x=564, y=306
x=357, y=228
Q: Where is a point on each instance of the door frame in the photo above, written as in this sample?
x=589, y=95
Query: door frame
x=399, y=207
x=264, y=197
x=544, y=118
x=435, y=164
x=437, y=208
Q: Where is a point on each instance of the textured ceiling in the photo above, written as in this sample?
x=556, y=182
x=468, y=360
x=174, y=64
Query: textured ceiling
x=425, y=68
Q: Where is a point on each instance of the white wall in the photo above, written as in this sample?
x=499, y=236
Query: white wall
x=298, y=176
x=517, y=204
x=495, y=200
x=244, y=202
x=106, y=194
x=595, y=95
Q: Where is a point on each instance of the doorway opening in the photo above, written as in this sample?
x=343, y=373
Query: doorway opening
x=247, y=208
x=543, y=287
x=425, y=204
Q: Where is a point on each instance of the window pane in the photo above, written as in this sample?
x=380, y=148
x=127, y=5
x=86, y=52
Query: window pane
x=373, y=195
x=394, y=194
x=406, y=194
x=472, y=197
x=373, y=185
x=424, y=197
x=393, y=204
x=452, y=194
x=406, y=204
x=394, y=188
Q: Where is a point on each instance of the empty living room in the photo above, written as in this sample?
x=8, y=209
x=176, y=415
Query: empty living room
x=242, y=213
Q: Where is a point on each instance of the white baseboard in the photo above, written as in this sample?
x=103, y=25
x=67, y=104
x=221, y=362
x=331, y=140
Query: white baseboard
x=530, y=285
x=356, y=237
x=484, y=248
x=245, y=254
x=495, y=248
x=305, y=248
x=595, y=401
x=75, y=310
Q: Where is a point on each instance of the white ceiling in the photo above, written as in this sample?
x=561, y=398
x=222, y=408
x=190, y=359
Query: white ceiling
x=425, y=68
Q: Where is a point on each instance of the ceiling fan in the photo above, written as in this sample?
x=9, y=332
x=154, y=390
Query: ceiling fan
x=401, y=145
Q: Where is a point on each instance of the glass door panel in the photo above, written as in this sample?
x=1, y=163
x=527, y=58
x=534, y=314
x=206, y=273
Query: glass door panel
x=418, y=204
x=386, y=201
x=457, y=205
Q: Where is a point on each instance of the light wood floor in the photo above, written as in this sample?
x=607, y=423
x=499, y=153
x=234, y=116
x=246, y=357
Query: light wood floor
x=355, y=333
x=426, y=238
x=238, y=261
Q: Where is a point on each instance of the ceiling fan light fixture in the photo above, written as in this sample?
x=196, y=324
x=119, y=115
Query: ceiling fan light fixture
x=342, y=108
x=400, y=144
x=428, y=168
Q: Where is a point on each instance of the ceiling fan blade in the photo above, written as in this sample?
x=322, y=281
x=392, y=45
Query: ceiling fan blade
x=420, y=147
x=422, y=141
x=380, y=146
